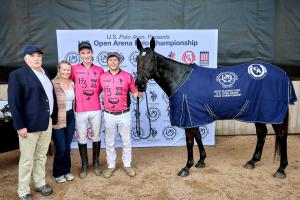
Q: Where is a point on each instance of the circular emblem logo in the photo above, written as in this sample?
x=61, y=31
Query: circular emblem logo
x=188, y=57
x=154, y=113
x=134, y=134
x=72, y=57
x=204, y=131
x=101, y=58
x=133, y=57
x=169, y=132
x=227, y=79
x=257, y=71
x=153, y=96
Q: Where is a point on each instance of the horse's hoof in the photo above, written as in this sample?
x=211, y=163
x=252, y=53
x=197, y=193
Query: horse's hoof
x=183, y=172
x=200, y=164
x=249, y=165
x=279, y=175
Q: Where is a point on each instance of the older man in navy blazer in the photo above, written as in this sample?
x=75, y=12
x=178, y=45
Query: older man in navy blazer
x=32, y=102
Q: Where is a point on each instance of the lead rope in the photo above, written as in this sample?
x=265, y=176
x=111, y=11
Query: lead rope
x=138, y=122
x=137, y=116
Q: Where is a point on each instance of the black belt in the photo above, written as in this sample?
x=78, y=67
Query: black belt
x=117, y=112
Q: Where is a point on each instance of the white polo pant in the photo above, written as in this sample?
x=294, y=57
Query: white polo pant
x=85, y=120
x=113, y=124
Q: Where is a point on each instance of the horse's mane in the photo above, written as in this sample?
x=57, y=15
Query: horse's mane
x=171, y=60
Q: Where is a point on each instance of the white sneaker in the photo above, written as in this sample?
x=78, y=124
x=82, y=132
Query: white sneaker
x=60, y=179
x=69, y=177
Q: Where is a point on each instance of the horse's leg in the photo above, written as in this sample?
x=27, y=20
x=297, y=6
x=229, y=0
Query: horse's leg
x=281, y=131
x=189, y=136
x=200, y=163
x=261, y=132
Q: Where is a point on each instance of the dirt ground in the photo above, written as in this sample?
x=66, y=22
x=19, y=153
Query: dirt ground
x=223, y=178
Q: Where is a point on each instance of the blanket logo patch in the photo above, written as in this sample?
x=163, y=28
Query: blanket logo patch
x=257, y=71
x=227, y=79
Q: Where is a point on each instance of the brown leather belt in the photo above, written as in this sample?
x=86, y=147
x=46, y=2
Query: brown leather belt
x=117, y=112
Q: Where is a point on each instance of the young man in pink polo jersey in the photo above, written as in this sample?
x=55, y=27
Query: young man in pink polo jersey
x=116, y=84
x=88, y=111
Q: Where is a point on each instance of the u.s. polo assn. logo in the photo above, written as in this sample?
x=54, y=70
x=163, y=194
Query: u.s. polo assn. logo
x=227, y=79
x=257, y=71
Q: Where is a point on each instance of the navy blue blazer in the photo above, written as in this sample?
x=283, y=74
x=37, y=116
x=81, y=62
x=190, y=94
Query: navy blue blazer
x=28, y=102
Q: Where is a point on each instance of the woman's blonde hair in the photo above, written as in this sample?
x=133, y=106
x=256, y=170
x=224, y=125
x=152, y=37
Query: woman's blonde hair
x=59, y=66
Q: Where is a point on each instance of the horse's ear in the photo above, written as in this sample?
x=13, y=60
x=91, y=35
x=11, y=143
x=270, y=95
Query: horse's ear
x=152, y=43
x=139, y=44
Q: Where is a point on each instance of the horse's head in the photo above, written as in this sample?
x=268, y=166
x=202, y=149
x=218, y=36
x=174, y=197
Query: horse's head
x=146, y=65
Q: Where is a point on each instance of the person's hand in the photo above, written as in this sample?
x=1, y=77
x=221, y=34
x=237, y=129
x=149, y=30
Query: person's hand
x=140, y=94
x=23, y=132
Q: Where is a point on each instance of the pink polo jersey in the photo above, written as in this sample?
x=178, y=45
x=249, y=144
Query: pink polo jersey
x=115, y=90
x=87, y=87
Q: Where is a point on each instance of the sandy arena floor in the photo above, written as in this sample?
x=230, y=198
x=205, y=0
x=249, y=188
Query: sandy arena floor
x=223, y=178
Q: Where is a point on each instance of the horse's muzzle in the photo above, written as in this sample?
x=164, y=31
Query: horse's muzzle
x=141, y=84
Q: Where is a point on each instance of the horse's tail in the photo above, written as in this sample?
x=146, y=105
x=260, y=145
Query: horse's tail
x=281, y=130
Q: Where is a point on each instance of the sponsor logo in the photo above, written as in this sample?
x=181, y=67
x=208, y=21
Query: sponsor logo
x=72, y=57
x=172, y=55
x=188, y=57
x=227, y=79
x=204, y=131
x=257, y=71
x=133, y=57
x=169, y=132
x=204, y=58
x=154, y=113
x=153, y=96
x=101, y=58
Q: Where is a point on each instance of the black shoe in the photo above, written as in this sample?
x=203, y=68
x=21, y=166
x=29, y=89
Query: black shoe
x=26, y=197
x=45, y=190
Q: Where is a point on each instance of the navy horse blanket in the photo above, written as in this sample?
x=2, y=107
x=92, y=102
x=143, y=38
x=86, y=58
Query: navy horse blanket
x=253, y=92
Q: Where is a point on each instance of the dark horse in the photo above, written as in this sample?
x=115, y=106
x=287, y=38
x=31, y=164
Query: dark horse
x=170, y=75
